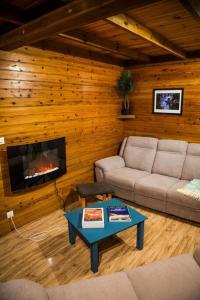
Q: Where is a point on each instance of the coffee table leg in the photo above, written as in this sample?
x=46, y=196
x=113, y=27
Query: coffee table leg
x=71, y=233
x=94, y=255
x=140, y=235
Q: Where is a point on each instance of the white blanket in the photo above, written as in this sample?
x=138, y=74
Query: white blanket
x=191, y=189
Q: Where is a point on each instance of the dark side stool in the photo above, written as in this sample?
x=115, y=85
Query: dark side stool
x=87, y=190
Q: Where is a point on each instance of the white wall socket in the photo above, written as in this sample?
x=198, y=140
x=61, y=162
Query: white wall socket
x=2, y=140
x=10, y=214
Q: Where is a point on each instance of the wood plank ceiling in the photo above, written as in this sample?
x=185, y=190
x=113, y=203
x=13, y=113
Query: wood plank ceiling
x=124, y=32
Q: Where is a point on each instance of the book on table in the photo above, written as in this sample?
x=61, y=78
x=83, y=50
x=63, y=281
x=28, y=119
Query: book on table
x=93, y=218
x=119, y=214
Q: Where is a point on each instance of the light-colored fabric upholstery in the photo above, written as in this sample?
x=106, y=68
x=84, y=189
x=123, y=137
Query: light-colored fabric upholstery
x=139, y=152
x=175, y=197
x=121, y=152
x=170, y=157
x=185, y=212
x=166, y=161
x=197, y=254
x=147, y=201
x=99, y=174
x=177, y=278
x=124, y=178
x=191, y=167
x=110, y=287
x=124, y=193
x=154, y=186
x=22, y=289
x=110, y=163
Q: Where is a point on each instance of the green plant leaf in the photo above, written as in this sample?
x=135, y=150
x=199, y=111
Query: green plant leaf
x=125, y=82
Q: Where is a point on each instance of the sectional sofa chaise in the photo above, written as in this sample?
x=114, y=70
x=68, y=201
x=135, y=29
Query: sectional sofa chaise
x=177, y=278
x=148, y=171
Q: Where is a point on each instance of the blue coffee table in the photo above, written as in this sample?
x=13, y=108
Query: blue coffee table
x=93, y=235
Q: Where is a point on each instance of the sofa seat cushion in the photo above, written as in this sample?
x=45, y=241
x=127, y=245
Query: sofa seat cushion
x=108, y=287
x=124, y=178
x=22, y=289
x=178, y=198
x=154, y=186
x=177, y=278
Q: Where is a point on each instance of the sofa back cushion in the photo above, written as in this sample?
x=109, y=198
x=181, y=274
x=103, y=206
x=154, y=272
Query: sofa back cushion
x=170, y=157
x=139, y=152
x=191, y=167
x=115, y=286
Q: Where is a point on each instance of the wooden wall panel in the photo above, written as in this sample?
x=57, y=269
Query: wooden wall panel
x=45, y=95
x=167, y=75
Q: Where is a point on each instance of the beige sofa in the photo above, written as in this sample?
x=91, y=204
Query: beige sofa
x=148, y=171
x=177, y=278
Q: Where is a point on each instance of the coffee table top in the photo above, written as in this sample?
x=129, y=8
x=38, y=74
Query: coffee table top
x=93, y=235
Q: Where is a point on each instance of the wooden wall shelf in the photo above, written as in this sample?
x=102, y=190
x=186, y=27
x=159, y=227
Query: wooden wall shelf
x=126, y=117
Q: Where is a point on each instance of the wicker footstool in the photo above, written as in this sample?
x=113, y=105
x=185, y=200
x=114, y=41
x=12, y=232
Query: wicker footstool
x=93, y=189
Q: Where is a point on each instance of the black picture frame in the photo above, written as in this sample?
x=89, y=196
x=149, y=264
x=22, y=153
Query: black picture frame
x=168, y=101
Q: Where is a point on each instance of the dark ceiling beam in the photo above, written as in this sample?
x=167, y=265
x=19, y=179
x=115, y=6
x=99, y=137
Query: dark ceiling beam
x=132, y=26
x=192, y=55
x=56, y=44
x=110, y=46
x=193, y=7
x=67, y=17
x=11, y=15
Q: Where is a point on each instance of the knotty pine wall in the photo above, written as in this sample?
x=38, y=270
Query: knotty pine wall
x=167, y=75
x=46, y=95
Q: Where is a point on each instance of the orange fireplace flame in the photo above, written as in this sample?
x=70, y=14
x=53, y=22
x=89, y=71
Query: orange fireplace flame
x=39, y=166
x=45, y=168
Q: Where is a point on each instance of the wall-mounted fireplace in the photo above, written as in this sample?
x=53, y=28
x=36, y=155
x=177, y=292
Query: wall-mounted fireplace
x=37, y=163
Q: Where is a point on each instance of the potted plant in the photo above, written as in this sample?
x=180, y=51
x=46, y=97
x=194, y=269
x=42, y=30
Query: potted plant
x=125, y=86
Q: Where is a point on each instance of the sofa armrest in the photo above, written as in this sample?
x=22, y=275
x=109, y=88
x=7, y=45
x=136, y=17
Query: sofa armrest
x=110, y=163
x=99, y=175
x=197, y=254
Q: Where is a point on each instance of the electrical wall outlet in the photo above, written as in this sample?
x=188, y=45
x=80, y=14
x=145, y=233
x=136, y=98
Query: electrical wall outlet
x=2, y=140
x=10, y=214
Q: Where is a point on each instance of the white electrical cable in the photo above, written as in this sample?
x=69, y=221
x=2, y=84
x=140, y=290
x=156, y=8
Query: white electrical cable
x=39, y=236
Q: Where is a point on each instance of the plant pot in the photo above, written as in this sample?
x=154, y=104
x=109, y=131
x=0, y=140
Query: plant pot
x=125, y=109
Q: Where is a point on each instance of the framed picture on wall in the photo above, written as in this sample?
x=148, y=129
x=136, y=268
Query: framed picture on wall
x=168, y=101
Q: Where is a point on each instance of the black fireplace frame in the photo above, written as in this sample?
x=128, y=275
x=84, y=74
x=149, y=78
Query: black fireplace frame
x=16, y=169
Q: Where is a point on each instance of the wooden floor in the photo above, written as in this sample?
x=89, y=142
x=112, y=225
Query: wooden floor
x=53, y=261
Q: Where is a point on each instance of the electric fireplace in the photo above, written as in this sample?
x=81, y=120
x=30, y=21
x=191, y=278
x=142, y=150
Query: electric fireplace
x=37, y=163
